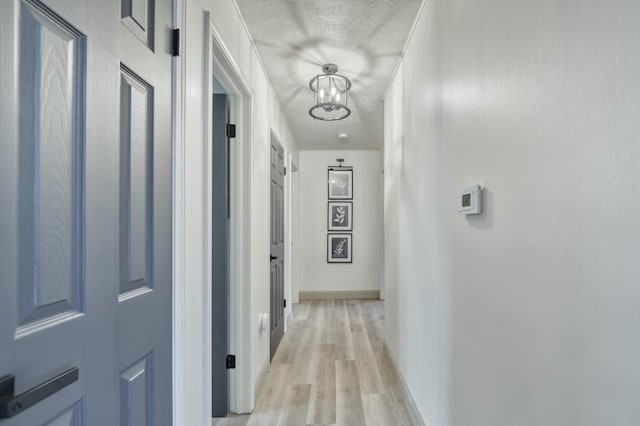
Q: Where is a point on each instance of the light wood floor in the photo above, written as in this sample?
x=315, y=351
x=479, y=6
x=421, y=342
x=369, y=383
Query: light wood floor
x=330, y=370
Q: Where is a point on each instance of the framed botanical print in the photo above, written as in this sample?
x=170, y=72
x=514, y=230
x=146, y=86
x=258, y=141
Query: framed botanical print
x=340, y=184
x=339, y=248
x=340, y=216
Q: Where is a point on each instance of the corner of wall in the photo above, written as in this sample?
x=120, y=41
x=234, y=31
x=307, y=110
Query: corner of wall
x=407, y=397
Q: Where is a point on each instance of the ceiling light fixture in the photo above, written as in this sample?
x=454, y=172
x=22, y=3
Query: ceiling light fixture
x=330, y=94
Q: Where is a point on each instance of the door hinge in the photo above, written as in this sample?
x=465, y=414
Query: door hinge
x=285, y=303
x=285, y=171
x=175, y=42
x=231, y=130
x=231, y=361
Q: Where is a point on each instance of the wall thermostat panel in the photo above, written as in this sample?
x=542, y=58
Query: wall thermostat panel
x=470, y=200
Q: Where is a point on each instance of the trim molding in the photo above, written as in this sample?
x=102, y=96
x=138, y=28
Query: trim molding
x=324, y=295
x=414, y=414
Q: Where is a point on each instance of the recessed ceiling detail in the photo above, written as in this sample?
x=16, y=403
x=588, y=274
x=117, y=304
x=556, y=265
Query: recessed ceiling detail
x=295, y=38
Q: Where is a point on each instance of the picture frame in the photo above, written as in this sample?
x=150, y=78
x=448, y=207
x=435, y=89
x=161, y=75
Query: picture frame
x=340, y=184
x=340, y=216
x=339, y=248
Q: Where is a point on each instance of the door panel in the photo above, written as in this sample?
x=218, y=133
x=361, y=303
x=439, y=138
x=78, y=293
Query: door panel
x=136, y=392
x=85, y=222
x=137, y=16
x=136, y=166
x=72, y=416
x=41, y=161
x=49, y=199
x=277, y=245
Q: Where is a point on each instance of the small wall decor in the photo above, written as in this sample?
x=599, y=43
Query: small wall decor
x=340, y=216
x=340, y=184
x=339, y=248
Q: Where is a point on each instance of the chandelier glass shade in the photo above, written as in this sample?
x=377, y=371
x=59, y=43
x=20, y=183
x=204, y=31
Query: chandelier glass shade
x=330, y=93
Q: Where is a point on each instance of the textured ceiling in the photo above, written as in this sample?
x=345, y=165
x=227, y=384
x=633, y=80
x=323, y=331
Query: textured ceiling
x=363, y=37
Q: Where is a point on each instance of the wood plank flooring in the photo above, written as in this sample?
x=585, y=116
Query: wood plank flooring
x=329, y=370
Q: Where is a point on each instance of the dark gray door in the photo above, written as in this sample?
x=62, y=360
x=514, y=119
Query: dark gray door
x=85, y=217
x=277, y=245
x=220, y=257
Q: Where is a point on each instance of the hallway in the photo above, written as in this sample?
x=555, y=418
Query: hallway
x=330, y=368
x=449, y=187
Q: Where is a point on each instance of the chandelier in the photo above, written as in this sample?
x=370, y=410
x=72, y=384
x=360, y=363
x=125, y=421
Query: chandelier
x=330, y=94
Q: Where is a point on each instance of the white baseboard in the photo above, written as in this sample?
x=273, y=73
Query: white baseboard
x=260, y=381
x=414, y=414
x=355, y=294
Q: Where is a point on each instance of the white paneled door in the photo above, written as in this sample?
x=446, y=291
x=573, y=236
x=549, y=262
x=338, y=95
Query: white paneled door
x=85, y=212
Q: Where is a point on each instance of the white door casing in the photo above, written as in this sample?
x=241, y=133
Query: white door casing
x=219, y=62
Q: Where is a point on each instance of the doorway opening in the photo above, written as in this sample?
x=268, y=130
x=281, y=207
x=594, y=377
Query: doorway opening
x=227, y=327
x=222, y=138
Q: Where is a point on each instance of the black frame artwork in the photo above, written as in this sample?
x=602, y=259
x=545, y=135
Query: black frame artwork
x=346, y=253
x=334, y=217
x=342, y=193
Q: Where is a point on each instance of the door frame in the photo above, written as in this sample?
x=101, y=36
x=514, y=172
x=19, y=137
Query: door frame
x=219, y=62
x=179, y=349
x=290, y=246
x=294, y=229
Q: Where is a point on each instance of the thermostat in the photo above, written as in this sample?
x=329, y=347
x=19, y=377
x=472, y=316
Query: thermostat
x=470, y=200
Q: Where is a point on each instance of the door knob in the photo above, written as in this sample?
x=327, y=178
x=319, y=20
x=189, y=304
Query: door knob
x=272, y=257
x=11, y=405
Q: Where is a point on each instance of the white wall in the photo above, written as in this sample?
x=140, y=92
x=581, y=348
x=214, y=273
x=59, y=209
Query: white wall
x=267, y=116
x=364, y=273
x=528, y=314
